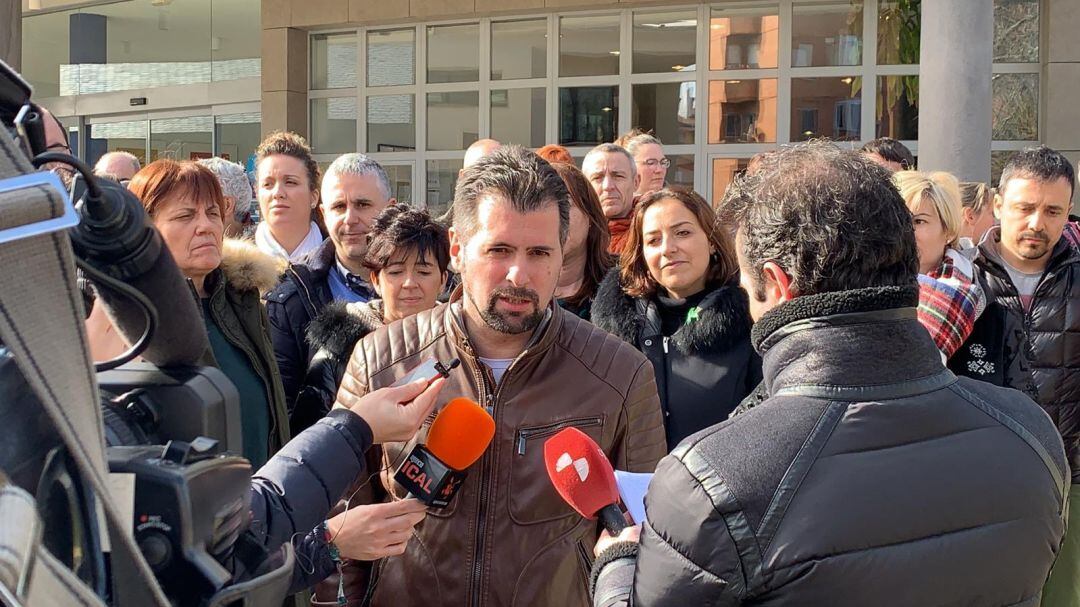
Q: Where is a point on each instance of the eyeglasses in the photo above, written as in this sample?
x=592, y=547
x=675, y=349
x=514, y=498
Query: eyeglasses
x=652, y=163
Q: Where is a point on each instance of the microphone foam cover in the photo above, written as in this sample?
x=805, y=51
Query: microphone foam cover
x=460, y=433
x=580, y=472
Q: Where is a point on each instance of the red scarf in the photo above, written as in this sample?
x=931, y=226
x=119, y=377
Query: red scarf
x=620, y=231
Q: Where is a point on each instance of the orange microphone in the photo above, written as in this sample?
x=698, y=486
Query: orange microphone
x=461, y=432
x=584, y=478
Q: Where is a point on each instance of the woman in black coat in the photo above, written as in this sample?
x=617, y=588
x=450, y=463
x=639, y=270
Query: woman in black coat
x=676, y=297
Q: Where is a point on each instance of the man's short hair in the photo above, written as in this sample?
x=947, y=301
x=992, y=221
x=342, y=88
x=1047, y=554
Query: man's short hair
x=234, y=184
x=891, y=150
x=525, y=179
x=359, y=165
x=831, y=219
x=1039, y=163
x=611, y=148
x=102, y=162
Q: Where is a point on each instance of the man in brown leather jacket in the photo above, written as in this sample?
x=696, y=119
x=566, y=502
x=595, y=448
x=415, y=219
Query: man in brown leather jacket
x=507, y=538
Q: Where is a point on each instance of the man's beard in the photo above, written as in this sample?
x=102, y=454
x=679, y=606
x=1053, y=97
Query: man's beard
x=1029, y=250
x=512, y=324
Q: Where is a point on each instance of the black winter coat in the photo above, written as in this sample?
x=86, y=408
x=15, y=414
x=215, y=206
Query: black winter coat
x=704, y=369
x=1035, y=351
x=870, y=475
x=303, y=292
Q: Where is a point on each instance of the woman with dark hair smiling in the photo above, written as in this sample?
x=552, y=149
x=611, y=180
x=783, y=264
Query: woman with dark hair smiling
x=585, y=255
x=676, y=297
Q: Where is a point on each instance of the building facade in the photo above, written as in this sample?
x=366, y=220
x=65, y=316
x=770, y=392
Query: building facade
x=413, y=83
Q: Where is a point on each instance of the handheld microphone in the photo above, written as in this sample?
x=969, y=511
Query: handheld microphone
x=114, y=235
x=461, y=432
x=584, y=478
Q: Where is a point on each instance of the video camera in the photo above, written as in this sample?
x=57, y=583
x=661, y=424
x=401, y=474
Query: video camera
x=169, y=428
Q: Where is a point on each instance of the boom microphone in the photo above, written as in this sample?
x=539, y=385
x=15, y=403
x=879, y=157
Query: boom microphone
x=584, y=478
x=458, y=437
x=114, y=236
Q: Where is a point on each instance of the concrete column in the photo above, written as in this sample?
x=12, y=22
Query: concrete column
x=1061, y=80
x=955, y=56
x=11, y=33
x=284, y=80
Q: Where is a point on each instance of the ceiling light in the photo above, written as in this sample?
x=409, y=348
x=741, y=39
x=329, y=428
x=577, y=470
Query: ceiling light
x=614, y=53
x=605, y=109
x=678, y=68
x=808, y=133
x=847, y=80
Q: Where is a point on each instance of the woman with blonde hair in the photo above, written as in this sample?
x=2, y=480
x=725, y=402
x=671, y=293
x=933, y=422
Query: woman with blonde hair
x=949, y=299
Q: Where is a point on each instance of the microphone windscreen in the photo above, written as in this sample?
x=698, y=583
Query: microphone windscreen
x=460, y=433
x=580, y=471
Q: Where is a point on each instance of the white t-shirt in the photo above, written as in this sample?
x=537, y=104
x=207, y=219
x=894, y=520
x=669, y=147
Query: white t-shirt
x=498, y=366
x=1025, y=283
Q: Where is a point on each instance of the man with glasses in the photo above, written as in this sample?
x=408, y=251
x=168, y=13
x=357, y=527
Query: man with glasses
x=120, y=166
x=652, y=165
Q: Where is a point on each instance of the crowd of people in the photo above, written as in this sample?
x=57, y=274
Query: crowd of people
x=856, y=382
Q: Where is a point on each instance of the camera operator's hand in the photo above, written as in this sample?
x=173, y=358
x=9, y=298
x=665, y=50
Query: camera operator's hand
x=368, y=533
x=394, y=413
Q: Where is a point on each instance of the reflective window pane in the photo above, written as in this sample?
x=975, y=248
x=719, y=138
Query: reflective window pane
x=898, y=32
x=441, y=178
x=669, y=110
x=333, y=125
x=400, y=176
x=453, y=53
x=391, y=123
x=1016, y=31
x=589, y=46
x=1015, y=107
x=333, y=61
x=236, y=39
x=665, y=42
x=517, y=116
x=237, y=137
x=742, y=111
x=827, y=32
x=826, y=107
x=117, y=136
x=588, y=115
x=519, y=49
x=42, y=64
x=391, y=57
x=898, y=107
x=724, y=171
x=681, y=171
x=181, y=138
x=744, y=38
x=998, y=160
x=453, y=120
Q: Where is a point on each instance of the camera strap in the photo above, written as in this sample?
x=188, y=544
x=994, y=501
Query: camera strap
x=41, y=323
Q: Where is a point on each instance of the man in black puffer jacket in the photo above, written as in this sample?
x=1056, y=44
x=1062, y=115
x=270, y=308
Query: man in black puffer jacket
x=1027, y=337
x=869, y=474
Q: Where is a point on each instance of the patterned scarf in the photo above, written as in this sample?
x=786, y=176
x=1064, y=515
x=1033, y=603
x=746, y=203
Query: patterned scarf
x=950, y=302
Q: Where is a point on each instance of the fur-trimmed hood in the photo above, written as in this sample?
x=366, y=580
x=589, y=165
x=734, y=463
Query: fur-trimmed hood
x=723, y=317
x=246, y=268
x=339, y=326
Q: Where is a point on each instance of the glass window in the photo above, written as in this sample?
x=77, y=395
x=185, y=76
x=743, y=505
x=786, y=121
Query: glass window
x=181, y=138
x=517, y=116
x=681, y=171
x=588, y=115
x=668, y=110
x=391, y=123
x=998, y=160
x=1015, y=107
x=898, y=32
x=127, y=136
x=237, y=137
x=826, y=32
x=744, y=38
x=441, y=178
x=453, y=53
x=235, y=39
x=453, y=120
x=519, y=49
x=589, y=46
x=1016, y=31
x=898, y=107
x=742, y=111
x=333, y=61
x=47, y=66
x=391, y=57
x=400, y=176
x=333, y=125
x=724, y=171
x=665, y=42
x=826, y=107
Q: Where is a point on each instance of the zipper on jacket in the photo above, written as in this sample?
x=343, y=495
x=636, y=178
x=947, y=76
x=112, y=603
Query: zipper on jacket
x=524, y=436
x=666, y=344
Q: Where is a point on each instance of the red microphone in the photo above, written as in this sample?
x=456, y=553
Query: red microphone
x=584, y=478
x=460, y=434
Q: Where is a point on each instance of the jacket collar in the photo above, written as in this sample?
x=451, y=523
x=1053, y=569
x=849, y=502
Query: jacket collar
x=542, y=338
x=863, y=341
x=244, y=267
